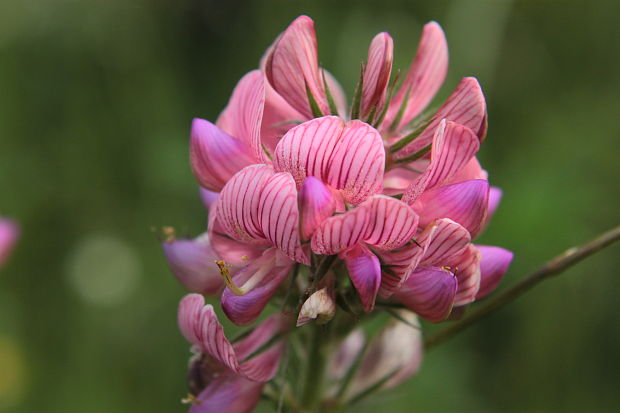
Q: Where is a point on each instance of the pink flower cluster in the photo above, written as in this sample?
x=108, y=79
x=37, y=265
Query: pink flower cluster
x=9, y=232
x=292, y=177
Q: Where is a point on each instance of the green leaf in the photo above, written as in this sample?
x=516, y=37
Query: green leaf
x=314, y=106
x=401, y=110
x=330, y=98
x=416, y=155
x=401, y=143
x=357, y=97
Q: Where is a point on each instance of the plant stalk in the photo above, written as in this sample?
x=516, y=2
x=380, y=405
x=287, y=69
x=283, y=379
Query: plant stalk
x=315, y=369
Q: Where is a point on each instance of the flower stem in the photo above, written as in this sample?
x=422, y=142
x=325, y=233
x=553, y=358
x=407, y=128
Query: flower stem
x=554, y=267
x=315, y=369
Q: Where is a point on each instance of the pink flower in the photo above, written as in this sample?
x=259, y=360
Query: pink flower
x=225, y=377
x=9, y=232
x=397, y=199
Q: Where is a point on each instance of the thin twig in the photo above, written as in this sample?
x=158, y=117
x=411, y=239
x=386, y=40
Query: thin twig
x=554, y=267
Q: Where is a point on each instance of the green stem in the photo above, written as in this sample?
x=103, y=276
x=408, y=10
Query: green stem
x=315, y=369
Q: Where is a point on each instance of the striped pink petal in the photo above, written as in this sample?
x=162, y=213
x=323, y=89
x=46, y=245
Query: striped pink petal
x=425, y=76
x=235, y=253
x=377, y=74
x=238, y=205
x=292, y=67
x=258, y=281
x=365, y=273
x=448, y=240
x=262, y=334
x=278, y=118
x=393, y=223
x=228, y=393
x=9, y=233
x=216, y=156
x=201, y=327
x=440, y=239
x=279, y=215
x=466, y=268
x=465, y=106
x=349, y=157
x=357, y=164
x=381, y=221
x=316, y=203
x=193, y=264
x=453, y=146
x=465, y=203
x=494, y=262
x=429, y=292
x=242, y=117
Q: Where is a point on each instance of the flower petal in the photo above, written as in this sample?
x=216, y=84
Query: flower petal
x=259, y=281
x=494, y=263
x=350, y=157
x=238, y=205
x=292, y=67
x=348, y=350
x=320, y=306
x=425, y=77
x=358, y=162
x=448, y=240
x=430, y=292
x=466, y=268
x=262, y=334
x=243, y=115
x=393, y=223
x=465, y=106
x=441, y=238
x=228, y=393
x=316, y=203
x=392, y=357
x=377, y=74
x=365, y=273
x=279, y=215
x=465, y=203
x=208, y=197
x=453, y=146
x=216, y=156
x=9, y=232
x=381, y=221
x=193, y=264
x=201, y=327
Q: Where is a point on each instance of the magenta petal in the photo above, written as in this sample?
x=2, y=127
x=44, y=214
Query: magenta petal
x=494, y=263
x=365, y=273
x=292, y=67
x=453, y=147
x=495, y=196
x=9, y=232
x=193, y=263
x=265, y=331
x=342, y=231
x=243, y=115
x=215, y=156
x=201, y=327
x=238, y=204
x=316, y=203
x=465, y=203
x=228, y=393
x=439, y=241
x=260, y=280
x=377, y=74
x=425, y=76
x=430, y=292
x=208, y=197
x=279, y=216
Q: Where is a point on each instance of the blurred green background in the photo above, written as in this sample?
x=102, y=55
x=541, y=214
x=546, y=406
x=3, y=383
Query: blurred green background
x=96, y=99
